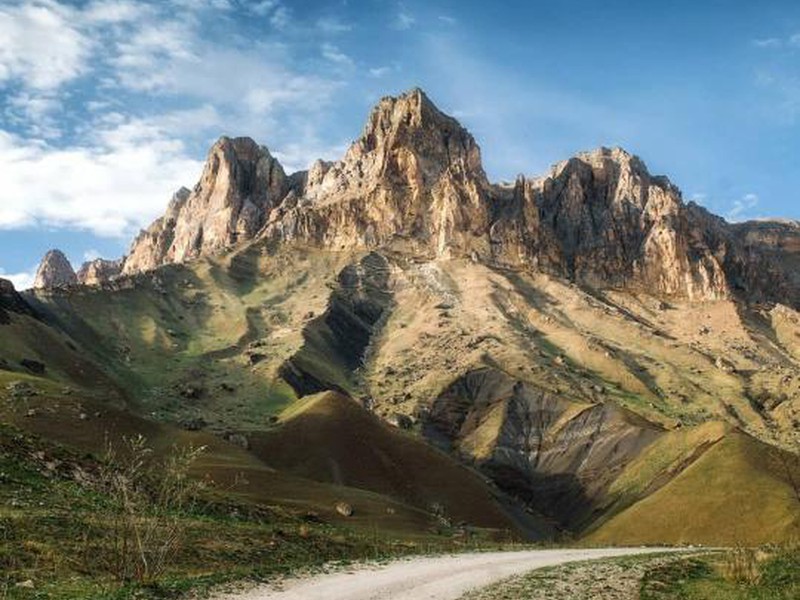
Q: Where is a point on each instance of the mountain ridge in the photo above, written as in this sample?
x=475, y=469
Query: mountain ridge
x=415, y=174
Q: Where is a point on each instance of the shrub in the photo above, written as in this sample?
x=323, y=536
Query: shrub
x=147, y=502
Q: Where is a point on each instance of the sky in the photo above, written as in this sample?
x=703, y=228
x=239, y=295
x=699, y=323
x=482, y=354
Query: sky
x=109, y=106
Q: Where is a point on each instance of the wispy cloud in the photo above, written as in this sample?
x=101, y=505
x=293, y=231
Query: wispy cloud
x=403, y=18
x=791, y=41
x=281, y=18
x=742, y=209
x=768, y=43
x=378, y=72
x=333, y=26
x=333, y=54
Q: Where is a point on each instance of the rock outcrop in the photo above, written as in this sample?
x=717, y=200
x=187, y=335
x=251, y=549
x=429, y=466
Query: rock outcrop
x=95, y=272
x=601, y=219
x=240, y=185
x=54, y=271
x=558, y=456
x=414, y=180
x=414, y=174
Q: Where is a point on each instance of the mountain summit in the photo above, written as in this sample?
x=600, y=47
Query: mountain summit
x=414, y=179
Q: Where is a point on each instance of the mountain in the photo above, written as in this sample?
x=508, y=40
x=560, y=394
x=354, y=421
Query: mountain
x=415, y=175
x=55, y=270
x=583, y=350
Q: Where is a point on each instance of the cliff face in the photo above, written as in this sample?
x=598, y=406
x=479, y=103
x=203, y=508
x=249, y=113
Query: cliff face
x=240, y=185
x=600, y=218
x=95, y=272
x=414, y=180
x=54, y=271
x=414, y=174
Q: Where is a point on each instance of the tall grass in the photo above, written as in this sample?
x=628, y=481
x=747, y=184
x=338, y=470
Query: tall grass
x=146, y=501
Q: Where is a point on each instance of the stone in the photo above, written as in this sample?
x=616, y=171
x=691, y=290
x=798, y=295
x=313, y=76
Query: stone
x=344, y=509
x=54, y=271
x=724, y=365
x=238, y=439
x=34, y=366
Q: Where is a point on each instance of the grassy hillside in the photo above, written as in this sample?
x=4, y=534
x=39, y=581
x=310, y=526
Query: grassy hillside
x=737, y=492
x=197, y=354
x=345, y=445
x=57, y=536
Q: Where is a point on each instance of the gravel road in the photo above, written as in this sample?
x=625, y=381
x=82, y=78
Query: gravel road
x=426, y=578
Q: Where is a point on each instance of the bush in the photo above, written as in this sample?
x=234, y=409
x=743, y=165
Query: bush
x=147, y=502
x=741, y=566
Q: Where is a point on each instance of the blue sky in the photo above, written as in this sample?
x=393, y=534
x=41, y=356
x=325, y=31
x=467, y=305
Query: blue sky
x=108, y=106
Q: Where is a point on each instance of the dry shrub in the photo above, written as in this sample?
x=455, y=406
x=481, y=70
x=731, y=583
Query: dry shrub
x=148, y=502
x=741, y=565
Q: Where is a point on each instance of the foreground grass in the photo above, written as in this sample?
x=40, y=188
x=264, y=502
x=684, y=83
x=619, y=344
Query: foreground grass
x=777, y=577
x=56, y=536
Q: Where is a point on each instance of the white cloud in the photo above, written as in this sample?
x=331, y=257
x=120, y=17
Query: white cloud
x=281, y=18
x=41, y=45
x=262, y=8
x=768, y=43
x=90, y=255
x=742, y=208
x=115, y=11
x=333, y=54
x=447, y=19
x=141, y=59
x=792, y=41
x=331, y=25
x=378, y=72
x=110, y=189
x=35, y=112
x=403, y=19
x=22, y=280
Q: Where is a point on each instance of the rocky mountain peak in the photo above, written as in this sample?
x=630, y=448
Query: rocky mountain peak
x=55, y=270
x=99, y=270
x=414, y=178
x=410, y=128
x=240, y=185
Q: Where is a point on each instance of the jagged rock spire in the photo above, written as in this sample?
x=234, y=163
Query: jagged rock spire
x=55, y=270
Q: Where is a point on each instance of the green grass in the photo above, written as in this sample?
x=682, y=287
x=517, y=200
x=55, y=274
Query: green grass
x=55, y=533
x=734, y=493
x=701, y=579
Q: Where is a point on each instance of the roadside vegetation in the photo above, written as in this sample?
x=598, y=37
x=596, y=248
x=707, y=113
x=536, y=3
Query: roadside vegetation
x=127, y=525
x=739, y=574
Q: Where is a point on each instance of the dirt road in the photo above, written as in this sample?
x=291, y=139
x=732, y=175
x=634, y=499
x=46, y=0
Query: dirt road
x=426, y=578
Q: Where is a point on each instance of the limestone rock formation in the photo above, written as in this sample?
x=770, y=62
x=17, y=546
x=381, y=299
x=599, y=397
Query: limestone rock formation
x=240, y=185
x=414, y=180
x=54, y=271
x=600, y=218
x=414, y=174
x=95, y=272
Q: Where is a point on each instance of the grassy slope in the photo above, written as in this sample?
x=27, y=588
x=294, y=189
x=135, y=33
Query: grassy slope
x=196, y=326
x=736, y=492
x=237, y=474
x=54, y=533
x=192, y=325
x=344, y=444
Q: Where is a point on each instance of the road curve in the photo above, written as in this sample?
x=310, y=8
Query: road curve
x=426, y=578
